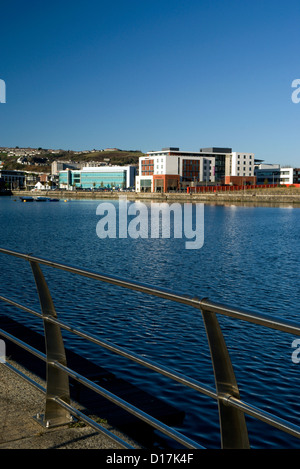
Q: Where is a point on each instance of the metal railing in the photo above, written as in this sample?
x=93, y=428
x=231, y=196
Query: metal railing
x=59, y=411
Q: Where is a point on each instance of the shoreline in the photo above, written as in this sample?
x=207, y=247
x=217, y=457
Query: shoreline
x=253, y=197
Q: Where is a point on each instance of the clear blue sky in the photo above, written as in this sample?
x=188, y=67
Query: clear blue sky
x=139, y=74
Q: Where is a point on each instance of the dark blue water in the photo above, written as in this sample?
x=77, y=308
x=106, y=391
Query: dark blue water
x=250, y=259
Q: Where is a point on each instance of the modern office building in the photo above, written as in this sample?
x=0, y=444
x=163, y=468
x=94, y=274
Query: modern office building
x=276, y=174
x=11, y=179
x=109, y=177
x=220, y=155
x=267, y=174
x=172, y=169
x=239, y=168
x=57, y=166
x=287, y=175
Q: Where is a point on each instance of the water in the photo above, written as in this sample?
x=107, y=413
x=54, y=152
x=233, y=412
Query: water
x=249, y=259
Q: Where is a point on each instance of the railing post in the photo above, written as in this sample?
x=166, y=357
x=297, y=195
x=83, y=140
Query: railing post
x=234, y=433
x=57, y=380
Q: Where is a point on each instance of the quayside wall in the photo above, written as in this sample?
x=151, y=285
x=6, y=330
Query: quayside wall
x=258, y=196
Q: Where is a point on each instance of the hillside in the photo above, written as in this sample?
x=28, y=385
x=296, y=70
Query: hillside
x=39, y=160
x=115, y=157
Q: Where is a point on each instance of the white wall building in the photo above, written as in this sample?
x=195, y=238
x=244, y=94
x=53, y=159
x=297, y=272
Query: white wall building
x=169, y=168
x=286, y=175
x=242, y=164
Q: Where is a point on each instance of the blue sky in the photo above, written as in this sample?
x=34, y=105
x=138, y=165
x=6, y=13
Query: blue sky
x=142, y=75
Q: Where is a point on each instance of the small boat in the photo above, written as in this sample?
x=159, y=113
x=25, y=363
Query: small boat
x=42, y=199
x=27, y=199
x=38, y=199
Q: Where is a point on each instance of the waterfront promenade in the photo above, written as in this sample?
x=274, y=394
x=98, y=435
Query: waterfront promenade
x=19, y=404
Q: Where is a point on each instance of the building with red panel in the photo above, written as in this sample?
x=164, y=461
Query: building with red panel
x=172, y=169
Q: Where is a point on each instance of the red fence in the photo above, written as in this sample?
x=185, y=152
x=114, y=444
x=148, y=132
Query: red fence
x=235, y=188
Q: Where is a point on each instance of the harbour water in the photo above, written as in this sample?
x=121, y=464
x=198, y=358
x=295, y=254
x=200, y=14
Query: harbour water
x=249, y=259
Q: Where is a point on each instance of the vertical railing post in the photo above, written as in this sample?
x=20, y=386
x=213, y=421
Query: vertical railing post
x=234, y=433
x=57, y=380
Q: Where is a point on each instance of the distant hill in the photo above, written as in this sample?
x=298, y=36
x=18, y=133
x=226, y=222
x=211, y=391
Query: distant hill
x=115, y=157
x=39, y=160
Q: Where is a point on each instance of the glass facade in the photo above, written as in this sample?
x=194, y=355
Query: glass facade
x=63, y=177
x=145, y=182
x=102, y=179
x=12, y=179
x=267, y=176
x=220, y=168
x=94, y=179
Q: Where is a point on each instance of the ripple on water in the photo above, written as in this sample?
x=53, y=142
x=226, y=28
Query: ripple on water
x=249, y=260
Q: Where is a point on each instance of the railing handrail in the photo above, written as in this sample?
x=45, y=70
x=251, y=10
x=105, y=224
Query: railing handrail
x=226, y=394
x=238, y=313
x=123, y=352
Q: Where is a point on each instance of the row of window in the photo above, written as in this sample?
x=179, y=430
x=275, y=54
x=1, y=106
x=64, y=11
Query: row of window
x=193, y=171
x=184, y=162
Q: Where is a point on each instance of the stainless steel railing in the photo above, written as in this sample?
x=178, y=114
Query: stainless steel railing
x=232, y=409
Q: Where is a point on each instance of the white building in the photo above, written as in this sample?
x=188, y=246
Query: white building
x=171, y=169
x=242, y=164
x=274, y=174
x=168, y=169
x=39, y=187
x=286, y=175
